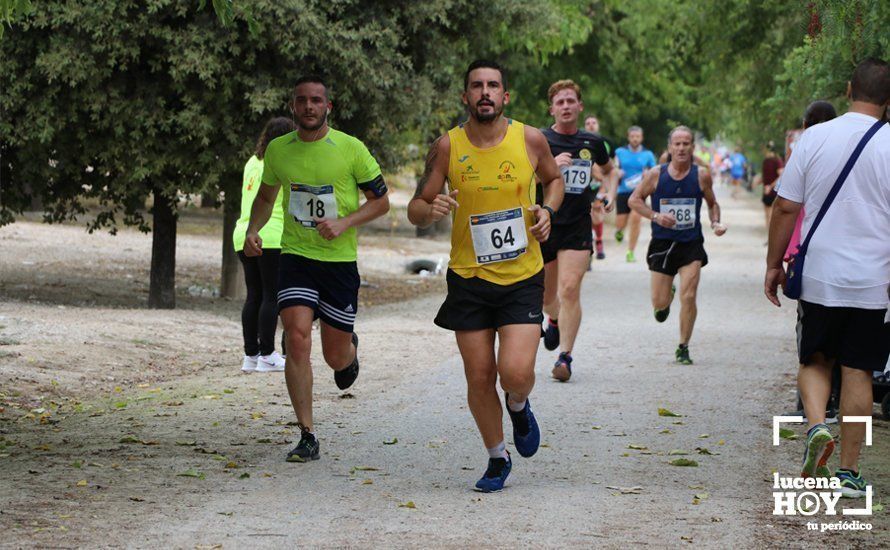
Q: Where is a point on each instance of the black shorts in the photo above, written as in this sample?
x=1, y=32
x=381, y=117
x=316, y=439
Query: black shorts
x=768, y=200
x=667, y=256
x=476, y=304
x=576, y=236
x=621, y=206
x=856, y=338
x=330, y=289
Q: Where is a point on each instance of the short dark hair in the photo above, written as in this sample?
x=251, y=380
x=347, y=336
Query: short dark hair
x=276, y=127
x=485, y=64
x=818, y=112
x=871, y=82
x=311, y=79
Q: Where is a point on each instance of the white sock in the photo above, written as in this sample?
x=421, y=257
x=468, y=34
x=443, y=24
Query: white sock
x=516, y=407
x=498, y=451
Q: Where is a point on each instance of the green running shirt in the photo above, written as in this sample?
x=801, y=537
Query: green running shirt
x=319, y=179
x=271, y=232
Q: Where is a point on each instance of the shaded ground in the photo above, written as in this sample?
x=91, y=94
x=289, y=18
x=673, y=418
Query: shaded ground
x=182, y=450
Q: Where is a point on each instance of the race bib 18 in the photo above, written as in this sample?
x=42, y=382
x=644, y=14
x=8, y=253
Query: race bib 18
x=682, y=209
x=577, y=176
x=498, y=236
x=308, y=202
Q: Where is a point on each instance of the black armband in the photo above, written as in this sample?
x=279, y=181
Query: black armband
x=376, y=186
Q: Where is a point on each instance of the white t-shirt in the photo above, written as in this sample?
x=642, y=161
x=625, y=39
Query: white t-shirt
x=848, y=262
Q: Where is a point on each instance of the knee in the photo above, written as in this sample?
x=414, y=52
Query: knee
x=339, y=357
x=570, y=290
x=518, y=380
x=299, y=340
x=688, y=295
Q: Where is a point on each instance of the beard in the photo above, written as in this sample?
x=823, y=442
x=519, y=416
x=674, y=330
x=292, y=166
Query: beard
x=487, y=117
x=313, y=127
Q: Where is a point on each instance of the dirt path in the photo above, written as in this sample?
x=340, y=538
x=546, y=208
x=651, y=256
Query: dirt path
x=197, y=460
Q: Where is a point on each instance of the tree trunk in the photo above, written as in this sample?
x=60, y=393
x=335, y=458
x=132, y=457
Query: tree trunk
x=232, y=279
x=208, y=200
x=162, y=285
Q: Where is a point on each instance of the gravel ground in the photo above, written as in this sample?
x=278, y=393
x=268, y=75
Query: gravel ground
x=179, y=449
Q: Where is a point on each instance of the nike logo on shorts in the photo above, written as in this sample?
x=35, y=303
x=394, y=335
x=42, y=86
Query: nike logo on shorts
x=534, y=315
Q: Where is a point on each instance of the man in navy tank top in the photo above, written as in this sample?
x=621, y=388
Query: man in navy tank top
x=677, y=246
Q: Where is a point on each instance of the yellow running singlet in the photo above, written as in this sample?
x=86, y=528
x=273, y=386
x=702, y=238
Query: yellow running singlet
x=490, y=237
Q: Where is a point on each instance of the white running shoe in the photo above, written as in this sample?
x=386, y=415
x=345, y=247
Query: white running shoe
x=249, y=363
x=273, y=362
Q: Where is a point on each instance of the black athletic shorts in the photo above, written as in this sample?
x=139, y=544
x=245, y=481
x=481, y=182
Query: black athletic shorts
x=856, y=338
x=330, y=289
x=768, y=200
x=667, y=256
x=621, y=206
x=476, y=304
x=575, y=236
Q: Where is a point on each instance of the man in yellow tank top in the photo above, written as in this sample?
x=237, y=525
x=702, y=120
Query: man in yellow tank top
x=495, y=274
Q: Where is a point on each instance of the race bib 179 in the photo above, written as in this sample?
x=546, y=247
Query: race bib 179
x=577, y=176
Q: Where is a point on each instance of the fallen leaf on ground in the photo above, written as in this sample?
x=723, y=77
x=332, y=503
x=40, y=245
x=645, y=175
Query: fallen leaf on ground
x=392, y=441
x=683, y=462
x=128, y=439
x=665, y=431
x=626, y=490
x=137, y=499
x=721, y=442
x=81, y=483
x=409, y=504
x=704, y=451
x=637, y=447
x=231, y=464
x=667, y=412
x=786, y=433
x=704, y=436
x=677, y=452
x=877, y=507
x=186, y=443
x=367, y=482
x=245, y=475
x=191, y=473
x=364, y=469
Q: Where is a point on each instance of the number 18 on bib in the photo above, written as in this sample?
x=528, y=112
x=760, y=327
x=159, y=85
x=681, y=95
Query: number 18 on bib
x=308, y=202
x=498, y=236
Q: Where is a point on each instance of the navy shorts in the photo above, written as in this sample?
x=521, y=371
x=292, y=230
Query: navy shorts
x=330, y=289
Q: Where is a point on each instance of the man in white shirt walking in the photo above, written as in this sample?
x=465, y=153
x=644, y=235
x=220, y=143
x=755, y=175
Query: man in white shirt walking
x=843, y=307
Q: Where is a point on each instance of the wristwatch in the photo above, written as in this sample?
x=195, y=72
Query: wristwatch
x=655, y=217
x=548, y=209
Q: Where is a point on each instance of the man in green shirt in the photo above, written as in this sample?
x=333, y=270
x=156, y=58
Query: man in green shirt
x=322, y=171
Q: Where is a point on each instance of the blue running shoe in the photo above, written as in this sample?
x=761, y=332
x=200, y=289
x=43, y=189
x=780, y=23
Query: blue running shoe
x=562, y=369
x=526, y=435
x=852, y=485
x=551, y=335
x=820, y=445
x=495, y=475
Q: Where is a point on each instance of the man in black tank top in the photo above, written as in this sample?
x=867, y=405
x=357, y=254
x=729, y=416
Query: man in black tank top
x=677, y=244
x=567, y=252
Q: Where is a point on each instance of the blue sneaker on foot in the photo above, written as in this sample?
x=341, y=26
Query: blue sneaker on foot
x=852, y=485
x=495, y=475
x=526, y=435
x=820, y=445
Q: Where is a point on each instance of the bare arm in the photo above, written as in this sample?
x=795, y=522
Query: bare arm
x=550, y=177
x=373, y=208
x=637, y=200
x=429, y=205
x=781, y=226
x=260, y=212
x=707, y=189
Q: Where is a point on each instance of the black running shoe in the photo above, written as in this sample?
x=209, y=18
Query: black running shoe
x=345, y=377
x=306, y=449
x=551, y=336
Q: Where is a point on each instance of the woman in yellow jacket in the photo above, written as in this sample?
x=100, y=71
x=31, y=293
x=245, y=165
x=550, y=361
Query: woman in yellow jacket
x=259, y=316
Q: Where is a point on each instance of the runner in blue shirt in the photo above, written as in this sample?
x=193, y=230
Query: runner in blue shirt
x=738, y=165
x=634, y=160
